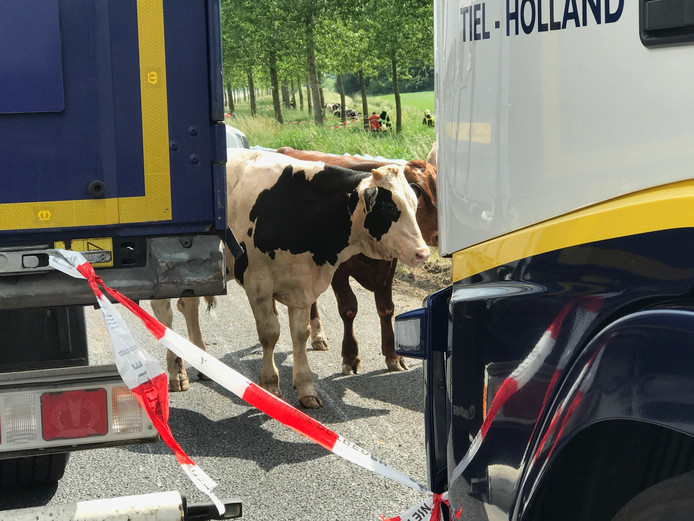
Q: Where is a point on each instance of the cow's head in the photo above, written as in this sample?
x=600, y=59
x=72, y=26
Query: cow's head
x=386, y=210
x=422, y=178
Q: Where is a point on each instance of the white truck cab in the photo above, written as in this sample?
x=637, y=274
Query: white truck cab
x=559, y=363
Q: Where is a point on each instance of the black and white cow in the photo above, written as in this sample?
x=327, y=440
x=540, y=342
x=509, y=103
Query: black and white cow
x=297, y=221
x=372, y=274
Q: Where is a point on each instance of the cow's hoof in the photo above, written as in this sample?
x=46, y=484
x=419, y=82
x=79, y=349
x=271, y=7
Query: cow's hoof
x=272, y=389
x=310, y=402
x=396, y=364
x=320, y=343
x=203, y=376
x=354, y=367
x=178, y=384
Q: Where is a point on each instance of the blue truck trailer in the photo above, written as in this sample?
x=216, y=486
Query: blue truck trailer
x=559, y=363
x=112, y=143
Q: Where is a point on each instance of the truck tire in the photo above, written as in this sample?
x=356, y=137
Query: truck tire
x=669, y=500
x=32, y=471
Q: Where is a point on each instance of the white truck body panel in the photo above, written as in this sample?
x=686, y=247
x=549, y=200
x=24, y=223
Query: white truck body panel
x=506, y=70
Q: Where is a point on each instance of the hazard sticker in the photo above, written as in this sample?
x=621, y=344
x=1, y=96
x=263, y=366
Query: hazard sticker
x=98, y=252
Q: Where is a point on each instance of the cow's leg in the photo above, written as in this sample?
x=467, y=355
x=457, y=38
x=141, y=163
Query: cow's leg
x=178, y=377
x=301, y=372
x=384, y=305
x=268, y=327
x=319, y=341
x=189, y=307
x=347, y=307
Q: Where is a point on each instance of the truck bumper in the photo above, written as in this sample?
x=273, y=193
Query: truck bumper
x=191, y=265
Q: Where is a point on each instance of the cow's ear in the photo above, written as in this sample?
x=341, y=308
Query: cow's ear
x=383, y=171
x=378, y=173
x=370, y=198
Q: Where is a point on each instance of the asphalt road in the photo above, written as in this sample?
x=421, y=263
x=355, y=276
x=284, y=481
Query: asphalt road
x=276, y=473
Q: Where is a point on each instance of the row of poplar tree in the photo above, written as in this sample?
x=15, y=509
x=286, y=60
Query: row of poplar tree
x=295, y=43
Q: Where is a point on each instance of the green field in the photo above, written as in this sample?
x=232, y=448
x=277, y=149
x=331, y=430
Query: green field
x=299, y=131
x=417, y=100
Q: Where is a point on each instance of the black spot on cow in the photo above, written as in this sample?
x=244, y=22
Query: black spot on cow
x=382, y=212
x=240, y=265
x=353, y=202
x=299, y=215
x=250, y=232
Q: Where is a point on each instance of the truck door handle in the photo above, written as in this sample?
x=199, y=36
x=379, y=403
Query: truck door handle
x=667, y=22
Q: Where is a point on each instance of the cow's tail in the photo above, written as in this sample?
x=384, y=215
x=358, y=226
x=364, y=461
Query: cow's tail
x=211, y=302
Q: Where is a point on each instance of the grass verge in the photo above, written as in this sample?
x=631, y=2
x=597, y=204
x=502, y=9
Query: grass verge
x=299, y=131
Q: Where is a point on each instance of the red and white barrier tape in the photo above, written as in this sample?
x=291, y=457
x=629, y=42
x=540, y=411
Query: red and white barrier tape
x=431, y=507
x=142, y=373
x=586, y=309
x=565, y=410
x=144, y=376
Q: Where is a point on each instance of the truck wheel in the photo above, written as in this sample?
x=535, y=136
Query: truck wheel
x=669, y=500
x=34, y=470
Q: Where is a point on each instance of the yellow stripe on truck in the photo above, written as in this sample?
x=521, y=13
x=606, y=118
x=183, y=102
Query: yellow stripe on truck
x=661, y=208
x=155, y=120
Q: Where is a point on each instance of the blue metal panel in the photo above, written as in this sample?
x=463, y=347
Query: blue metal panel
x=189, y=98
x=53, y=157
x=639, y=368
x=436, y=400
x=535, y=318
x=215, y=62
x=31, y=76
x=221, y=194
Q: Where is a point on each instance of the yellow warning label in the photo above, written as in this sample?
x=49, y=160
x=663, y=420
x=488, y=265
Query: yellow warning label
x=101, y=255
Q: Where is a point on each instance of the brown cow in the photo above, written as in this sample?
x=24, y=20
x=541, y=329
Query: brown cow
x=297, y=222
x=431, y=157
x=374, y=275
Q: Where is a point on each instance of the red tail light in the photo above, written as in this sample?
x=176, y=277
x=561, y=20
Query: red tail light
x=74, y=414
x=68, y=408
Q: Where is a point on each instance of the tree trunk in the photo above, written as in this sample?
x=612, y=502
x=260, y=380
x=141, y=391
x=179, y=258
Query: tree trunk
x=230, y=97
x=301, y=95
x=322, y=97
x=341, y=90
x=364, y=101
x=396, y=91
x=251, y=92
x=285, y=94
x=309, y=96
x=293, y=94
x=275, y=87
x=312, y=74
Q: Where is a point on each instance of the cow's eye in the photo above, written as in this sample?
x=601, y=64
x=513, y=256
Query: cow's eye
x=417, y=189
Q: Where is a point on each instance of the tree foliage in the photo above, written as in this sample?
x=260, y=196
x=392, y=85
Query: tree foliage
x=274, y=42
